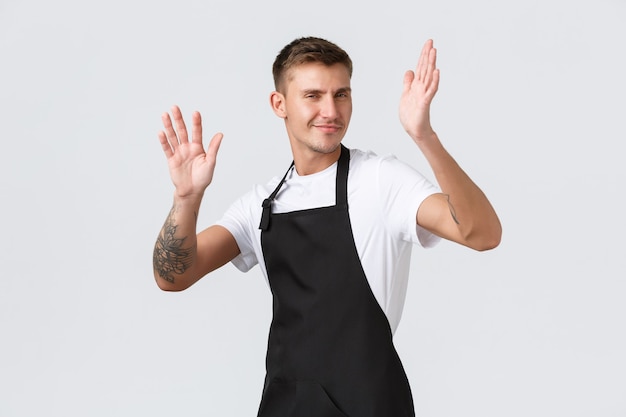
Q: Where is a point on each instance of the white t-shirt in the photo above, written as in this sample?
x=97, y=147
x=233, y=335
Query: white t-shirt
x=383, y=197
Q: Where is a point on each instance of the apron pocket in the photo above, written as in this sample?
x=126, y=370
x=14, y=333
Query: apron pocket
x=297, y=399
x=312, y=400
x=277, y=399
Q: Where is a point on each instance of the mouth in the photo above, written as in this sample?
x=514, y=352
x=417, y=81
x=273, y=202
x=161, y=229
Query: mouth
x=328, y=128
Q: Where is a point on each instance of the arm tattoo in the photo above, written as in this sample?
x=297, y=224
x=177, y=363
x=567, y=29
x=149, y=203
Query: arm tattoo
x=170, y=258
x=452, y=210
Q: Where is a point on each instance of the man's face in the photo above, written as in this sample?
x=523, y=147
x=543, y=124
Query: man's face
x=317, y=106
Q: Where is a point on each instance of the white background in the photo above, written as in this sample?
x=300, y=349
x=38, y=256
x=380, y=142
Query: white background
x=531, y=104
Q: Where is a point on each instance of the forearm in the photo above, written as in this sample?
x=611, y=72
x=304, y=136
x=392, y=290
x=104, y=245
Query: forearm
x=475, y=218
x=175, y=250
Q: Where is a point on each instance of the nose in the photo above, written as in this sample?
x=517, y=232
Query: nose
x=328, y=108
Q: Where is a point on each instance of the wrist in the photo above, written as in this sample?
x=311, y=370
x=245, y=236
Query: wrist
x=188, y=199
x=424, y=137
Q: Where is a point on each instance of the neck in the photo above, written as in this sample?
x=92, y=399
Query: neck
x=311, y=162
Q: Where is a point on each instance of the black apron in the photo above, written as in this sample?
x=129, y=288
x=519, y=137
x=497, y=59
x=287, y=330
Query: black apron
x=330, y=349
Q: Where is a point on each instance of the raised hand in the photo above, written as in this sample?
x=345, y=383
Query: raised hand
x=191, y=168
x=419, y=89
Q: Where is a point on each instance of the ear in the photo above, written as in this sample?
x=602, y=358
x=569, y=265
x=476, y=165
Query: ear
x=277, y=101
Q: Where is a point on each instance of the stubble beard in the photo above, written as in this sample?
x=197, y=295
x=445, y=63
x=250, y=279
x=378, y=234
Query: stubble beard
x=324, y=148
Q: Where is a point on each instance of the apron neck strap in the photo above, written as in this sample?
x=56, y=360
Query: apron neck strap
x=341, y=187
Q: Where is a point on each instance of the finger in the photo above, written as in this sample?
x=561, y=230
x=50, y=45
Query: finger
x=433, y=56
x=420, y=64
x=196, y=128
x=169, y=130
x=423, y=61
x=434, y=85
x=214, y=145
x=430, y=67
x=165, y=145
x=181, y=129
x=408, y=79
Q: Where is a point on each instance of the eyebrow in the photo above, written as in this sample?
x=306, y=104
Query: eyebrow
x=317, y=91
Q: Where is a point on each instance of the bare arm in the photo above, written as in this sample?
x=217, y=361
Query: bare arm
x=461, y=213
x=180, y=257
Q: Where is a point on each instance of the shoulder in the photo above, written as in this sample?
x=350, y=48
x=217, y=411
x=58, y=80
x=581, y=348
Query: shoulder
x=359, y=156
x=249, y=203
x=368, y=163
x=364, y=161
x=369, y=157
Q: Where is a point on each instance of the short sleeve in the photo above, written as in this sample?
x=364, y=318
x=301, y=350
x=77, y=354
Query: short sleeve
x=237, y=221
x=403, y=189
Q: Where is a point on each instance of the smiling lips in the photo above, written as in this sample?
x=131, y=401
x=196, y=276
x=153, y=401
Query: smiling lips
x=328, y=128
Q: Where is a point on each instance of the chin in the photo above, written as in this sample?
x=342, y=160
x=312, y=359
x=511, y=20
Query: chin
x=328, y=144
x=325, y=148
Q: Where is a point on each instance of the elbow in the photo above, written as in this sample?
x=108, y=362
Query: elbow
x=168, y=285
x=487, y=245
x=484, y=237
x=169, y=288
x=487, y=241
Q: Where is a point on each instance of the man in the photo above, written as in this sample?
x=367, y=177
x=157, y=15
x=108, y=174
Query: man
x=333, y=237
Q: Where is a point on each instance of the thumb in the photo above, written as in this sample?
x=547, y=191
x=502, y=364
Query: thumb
x=214, y=145
x=409, y=76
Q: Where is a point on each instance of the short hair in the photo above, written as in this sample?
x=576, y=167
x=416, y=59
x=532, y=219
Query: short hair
x=308, y=49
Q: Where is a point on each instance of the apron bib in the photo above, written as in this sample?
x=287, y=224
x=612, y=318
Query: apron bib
x=330, y=350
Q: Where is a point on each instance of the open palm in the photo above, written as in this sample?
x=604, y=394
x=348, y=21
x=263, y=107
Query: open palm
x=191, y=167
x=418, y=92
